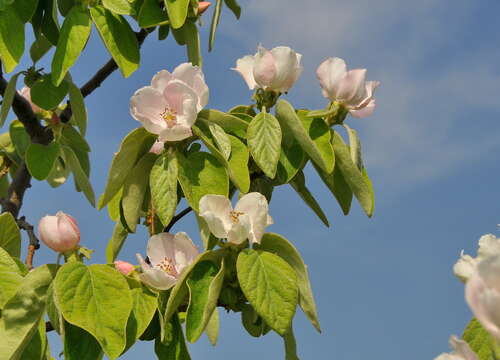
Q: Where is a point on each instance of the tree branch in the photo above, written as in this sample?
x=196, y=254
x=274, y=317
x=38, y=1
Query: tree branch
x=177, y=218
x=34, y=243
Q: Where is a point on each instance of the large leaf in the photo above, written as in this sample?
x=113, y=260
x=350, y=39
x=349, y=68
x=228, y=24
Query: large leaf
x=204, y=283
x=230, y=123
x=282, y=247
x=79, y=344
x=192, y=37
x=80, y=177
x=10, y=237
x=177, y=12
x=25, y=9
x=133, y=146
x=37, y=346
x=163, y=184
x=299, y=185
x=96, y=298
x=65, y=6
x=115, y=244
x=174, y=348
x=8, y=97
x=19, y=137
x=78, y=107
x=214, y=24
x=221, y=139
x=39, y=48
x=338, y=186
x=73, y=37
x=10, y=276
x=123, y=7
x=40, y=159
x=270, y=285
x=11, y=38
x=480, y=341
x=46, y=95
x=119, y=38
x=151, y=14
x=312, y=134
x=212, y=328
x=264, y=142
x=22, y=313
x=201, y=174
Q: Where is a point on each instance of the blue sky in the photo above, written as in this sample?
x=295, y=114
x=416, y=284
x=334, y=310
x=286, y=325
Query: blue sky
x=383, y=286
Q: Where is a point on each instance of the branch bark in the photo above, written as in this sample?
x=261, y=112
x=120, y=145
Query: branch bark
x=177, y=218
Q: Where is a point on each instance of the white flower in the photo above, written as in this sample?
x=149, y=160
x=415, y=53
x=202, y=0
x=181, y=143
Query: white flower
x=489, y=245
x=247, y=220
x=349, y=88
x=168, y=256
x=169, y=107
x=277, y=69
x=461, y=351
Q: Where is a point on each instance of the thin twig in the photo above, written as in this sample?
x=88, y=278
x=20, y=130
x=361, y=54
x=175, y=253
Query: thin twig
x=34, y=243
x=177, y=218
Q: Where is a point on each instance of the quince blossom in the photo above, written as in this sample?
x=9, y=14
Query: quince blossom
x=124, y=267
x=169, y=107
x=168, y=256
x=247, y=220
x=60, y=232
x=489, y=245
x=461, y=351
x=275, y=69
x=348, y=88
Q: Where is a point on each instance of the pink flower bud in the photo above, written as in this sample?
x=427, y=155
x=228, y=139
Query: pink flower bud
x=26, y=93
x=59, y=232
x=124, y=267
x=203, y=6
x=157, y=147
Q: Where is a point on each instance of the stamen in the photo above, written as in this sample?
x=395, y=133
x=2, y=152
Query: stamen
x=167, y=265
x=169, y=116
x=235, y=216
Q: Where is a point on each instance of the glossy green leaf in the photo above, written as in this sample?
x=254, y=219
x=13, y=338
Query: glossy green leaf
x=264, y=142
x=204, y=283
x=40, y=159
x=177, y=12
x=8, y=97
x=355, y=147
x=73, y=37
x=298, y=183
x=78, y=107
x=114, y=206
x=79, y=344
x=175, y=347
x=151, y=14
x=283, y=248
x=122, y=7
x=4, y=4
x=214, y=24
x=192, y=37
x=10, y=237
x=132, y=148
x=243, y=109
x=11, y=38
x=352, y=175
x=163, y=185
x=221, y=139
x=338, y=186
x=234, y=7
x=119, y=39
x=134, y=190
x=292, y=159
x=80, y=177
x=480, y=341
x=312, y=134
x=46, y=95
x=96, y=298
x=22, y=313
x=10, y=276
x=39, y=48
x=212, y=328
x=200, y=174
x=370, y=188
x=116, y=242
x=230, y=123
x=270, y=285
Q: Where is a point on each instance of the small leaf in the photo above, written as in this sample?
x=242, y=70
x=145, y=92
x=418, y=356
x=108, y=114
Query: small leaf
x=78, y=107
x=116, y=242
x=177, y=12
x=338, y=186
x=230, y=123
x=264, y=142
x=192, y=37
x=73, y=37
x=11, y=38
x=163, y=185
x=299, y=185
x=212, y=329
x=251, y=321
x=151, y=14
x=10, y=237
x=10, y=275
x=163, y=31
x=40, y=159
x=119, y=39
x=114, y=206
x=214, y=24
x=292, y=159
x=74, y=139
x=50, y=24
x=46, y=95
x=234, y=7
x=25, y=9
x=8, y=97
x=79, y=344
x=81, y=179
x=355, y=147
x=122, y=7
x=270, y=285
x=221, y=139
x=98, y=299
x=65, y=6
x=37, y=346
x=20, y=138
x=175, y=348
x=39, y=48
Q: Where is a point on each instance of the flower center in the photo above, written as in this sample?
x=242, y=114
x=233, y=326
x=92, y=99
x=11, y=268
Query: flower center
x=169, y=115
x=234, y=215
x=167, y=265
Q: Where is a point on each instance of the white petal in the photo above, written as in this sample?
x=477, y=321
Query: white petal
x=330, y=72
x=365, y=111
x=352, y=89
x=160, y=246
x=175, y=133
x=256, y=207
x=185, y=251
x=176, y=92
x=158, y=279
x=462, y=349
x=161, y=79
x=264, y=69
x=194, y=78
x=146, y=105
x=489, y=245
x=215, y=209
x=464, y=267
x=245, y=67
x=240, y=231
x=189, y=112
x=287, y=68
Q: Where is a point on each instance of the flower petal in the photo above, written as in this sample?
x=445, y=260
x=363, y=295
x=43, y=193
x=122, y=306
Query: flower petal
x=215, y=210
x=176, y=92
x=48, y=230
x=185, y=252
x=176, y=133
x=160, y=246
x=352, y=89
x=161, y=79
x=461, y=348
x=244, y=66
x=287, y=68
x=240, y=231
x=158, y=279
x=489, y=245
x=146, y=105
x=364, y=111
x=464, y=267
x=194, y=78
x=255, y=205
x=330, y=72
x=69, y=234
x=264, y=69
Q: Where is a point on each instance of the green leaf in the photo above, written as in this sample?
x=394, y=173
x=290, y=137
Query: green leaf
x=264, y=142
x=355, y=147
x=263, y=185
x=46, y=95
x=59, y=174
x=299, y=185
x=79, y=344
x=251, y=321
x=177, y=12
x=116, y=242
x=214, y=24
x=163, y=185
x=221, y=139
x=74, y=139
x=25, y=9
x=114, y=206
x=135, y=188
x=201, y=174
x=50, y=24
x=163, y=31
x=53, y=312
x=39, y=48
x=292, y=159
x=175, y=348
x=40, y=159
x=8, y=97
x=204, y=283
x=37, y=346
x=20, y=138
x=11, y=38
x=22, y=313
x=122, y=7
x=10, y=276
x=10, y=236
x=370, y=188
x=151, y=14
x=270, y=285
x=480, y=341
x=337, y=186
x=212, y=328
x=243, y=110
x=96, y=298
x=352, y=175
x=119, y=39
x=312, y=134
x=135, y=144
x=192, y=37
x=234, y=7
x=283, y=248
x=5, y=3
x=230, y=123
x=81, y=179
x=290, y=345
x=78, y=107
x=73, y=37
x=179, y=36
x=65, y=6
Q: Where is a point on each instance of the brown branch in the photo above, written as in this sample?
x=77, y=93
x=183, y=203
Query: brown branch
x=15, y=193
x=177, y=218
x=34, y=243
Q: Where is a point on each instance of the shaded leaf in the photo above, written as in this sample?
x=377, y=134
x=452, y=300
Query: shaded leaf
x=299, y=185
x=46, y=95
x=10, y=236
x=116, y=242
x=40, y=159
x=8, y=97
x=214, y=24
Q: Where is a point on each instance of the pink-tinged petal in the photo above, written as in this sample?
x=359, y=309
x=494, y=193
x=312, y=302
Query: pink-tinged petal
x=152, y=127
x=176, y=92
x=244, y=67
x=330, y=72
x=256, y=207
x=124, y=267
x=462, y=349
x=365, y=111
x=146, y=106
x=48, y=231
x=161, y=79
x=158, y=279
x=69, y=234
x=215, y=210
x=176, y=133
x=194, y=78
x=264, y=69
x=287, y=68
x=370, y=89
x=240, y=230
x=352, y=90
x=160, y=246
x=465, y=266
x=185, y=251
x=189, y=112
x=157, y=147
